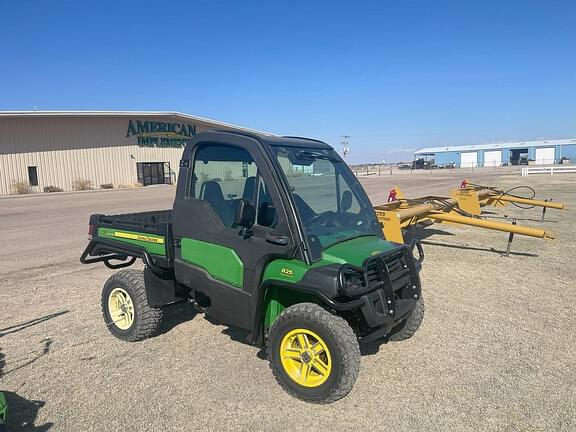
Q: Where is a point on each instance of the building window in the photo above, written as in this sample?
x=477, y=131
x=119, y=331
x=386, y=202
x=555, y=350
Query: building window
x=33, y=175
x=150, y=173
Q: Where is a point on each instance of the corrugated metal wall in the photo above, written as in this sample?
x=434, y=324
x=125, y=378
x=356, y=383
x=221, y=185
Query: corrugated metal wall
x=68, y=148
x=560, y=151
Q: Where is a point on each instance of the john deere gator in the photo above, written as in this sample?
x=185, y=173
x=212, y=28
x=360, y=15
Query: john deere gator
x=273, y=235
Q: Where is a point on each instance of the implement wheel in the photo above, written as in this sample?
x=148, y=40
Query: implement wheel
x=125, y=307
x=313, y=354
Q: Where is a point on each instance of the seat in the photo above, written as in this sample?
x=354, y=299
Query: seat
x=212, y=193
x=249, y=187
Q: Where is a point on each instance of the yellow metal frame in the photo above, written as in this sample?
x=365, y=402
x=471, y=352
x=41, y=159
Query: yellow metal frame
x=471, y=198
x=462, y=208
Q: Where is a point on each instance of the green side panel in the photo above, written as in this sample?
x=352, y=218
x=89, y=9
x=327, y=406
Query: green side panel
x=3, y=408
x=220, y=262
x=278, y=299
x=273, y=307
x=353, y=251
x=291, y=271
x=154, y=244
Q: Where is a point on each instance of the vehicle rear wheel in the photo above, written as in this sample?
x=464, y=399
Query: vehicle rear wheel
x=313, y=354
x=411, y=325
x=125, y=307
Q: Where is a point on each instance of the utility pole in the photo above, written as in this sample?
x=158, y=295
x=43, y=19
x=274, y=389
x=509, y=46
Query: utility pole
x=345, y=146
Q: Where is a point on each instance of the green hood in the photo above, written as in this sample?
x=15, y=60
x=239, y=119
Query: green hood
x=356, y=250
x=353, y=251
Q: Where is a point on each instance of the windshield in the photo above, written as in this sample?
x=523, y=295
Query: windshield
x=329, y=199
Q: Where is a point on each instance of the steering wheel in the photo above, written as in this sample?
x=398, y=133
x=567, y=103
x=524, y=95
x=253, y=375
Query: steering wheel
x=323, y=218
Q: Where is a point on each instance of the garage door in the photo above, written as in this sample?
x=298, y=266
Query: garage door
x=493, y=158
x=545, y=156
x=469, y=159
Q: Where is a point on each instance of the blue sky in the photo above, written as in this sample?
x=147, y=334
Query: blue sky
x=394, y=75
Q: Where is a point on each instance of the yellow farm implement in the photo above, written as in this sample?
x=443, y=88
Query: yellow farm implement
x=471, y=197
x=462, y=207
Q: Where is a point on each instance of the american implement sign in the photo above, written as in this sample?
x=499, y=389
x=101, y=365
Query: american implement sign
x=160, y=134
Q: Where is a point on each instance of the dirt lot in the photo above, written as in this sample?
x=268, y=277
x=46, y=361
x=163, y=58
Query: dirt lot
x=496, y=351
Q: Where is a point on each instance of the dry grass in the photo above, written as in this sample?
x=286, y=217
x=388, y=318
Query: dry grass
x=50, y=189
x=82, y=184
x=20, y=187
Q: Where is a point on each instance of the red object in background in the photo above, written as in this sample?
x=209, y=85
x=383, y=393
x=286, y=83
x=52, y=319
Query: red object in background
x=464, y=184
x=392, y=195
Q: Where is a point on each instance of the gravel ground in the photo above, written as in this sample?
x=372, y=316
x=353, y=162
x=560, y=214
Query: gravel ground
x=496, y=351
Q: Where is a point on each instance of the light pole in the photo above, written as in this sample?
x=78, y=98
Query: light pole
x=345, y=146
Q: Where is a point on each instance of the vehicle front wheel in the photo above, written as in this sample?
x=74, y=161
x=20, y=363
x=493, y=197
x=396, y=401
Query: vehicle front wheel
x=313, y=354
x=125, y=307
x=411, y=324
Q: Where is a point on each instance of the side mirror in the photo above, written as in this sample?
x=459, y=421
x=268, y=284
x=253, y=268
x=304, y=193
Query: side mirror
x=346, y=201
x=245, y=214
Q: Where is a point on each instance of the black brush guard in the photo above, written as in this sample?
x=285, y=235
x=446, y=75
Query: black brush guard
x=390, y=287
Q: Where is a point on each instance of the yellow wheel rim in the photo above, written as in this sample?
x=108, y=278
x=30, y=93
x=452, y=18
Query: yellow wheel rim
x=121, y=308
x=305, y=357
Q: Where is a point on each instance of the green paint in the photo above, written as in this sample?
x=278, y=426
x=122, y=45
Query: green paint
x=353, y=251
x=155, y=246
x=278, y=299
x=291, y=271
x=3, y=408
x=273, y=307
x=356, y=250
x=220, y=262
x=327, y=239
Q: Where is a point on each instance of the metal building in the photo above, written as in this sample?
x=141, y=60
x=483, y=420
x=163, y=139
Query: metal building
x=541, y=152
x=62, y=148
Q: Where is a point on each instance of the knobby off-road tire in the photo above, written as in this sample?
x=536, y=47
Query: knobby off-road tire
x=333, y=360
x=412, y=323
x=125, y=307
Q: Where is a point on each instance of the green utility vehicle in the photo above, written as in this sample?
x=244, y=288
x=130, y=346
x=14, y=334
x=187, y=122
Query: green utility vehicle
x=273, y=235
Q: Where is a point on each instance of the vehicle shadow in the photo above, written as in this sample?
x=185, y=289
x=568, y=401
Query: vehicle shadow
x=177, y=314
x=241, y=335
x=372, y=348
x=238, y=335
x=22, y=414
x=46, y=343
x=2, y=363
x=19, y=327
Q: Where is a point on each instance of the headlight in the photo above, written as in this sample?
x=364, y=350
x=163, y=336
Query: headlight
x=352, y=280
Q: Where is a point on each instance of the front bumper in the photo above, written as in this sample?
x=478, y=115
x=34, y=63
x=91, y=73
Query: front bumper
x=395, y=282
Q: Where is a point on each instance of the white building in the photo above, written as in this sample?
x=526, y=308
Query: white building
x=57, y=148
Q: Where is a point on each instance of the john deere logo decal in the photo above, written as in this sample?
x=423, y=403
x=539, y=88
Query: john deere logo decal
x=139, y=237
x=160, y=134
x=287, y=272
